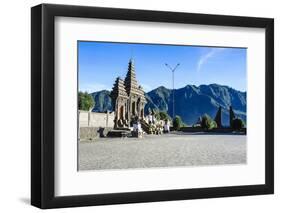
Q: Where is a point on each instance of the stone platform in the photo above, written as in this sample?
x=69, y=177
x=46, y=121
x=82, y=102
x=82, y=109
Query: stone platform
x=119, y=133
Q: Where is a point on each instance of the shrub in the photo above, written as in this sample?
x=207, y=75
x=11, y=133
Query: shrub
x=237, y=124
x=177, y=122
x=85, y=101
x=207, y=122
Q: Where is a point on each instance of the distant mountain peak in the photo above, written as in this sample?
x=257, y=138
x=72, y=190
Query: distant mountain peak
x=161, y=88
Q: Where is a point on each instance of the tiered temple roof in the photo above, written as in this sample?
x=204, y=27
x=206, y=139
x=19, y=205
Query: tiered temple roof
x=131, y=84
x=119, y=89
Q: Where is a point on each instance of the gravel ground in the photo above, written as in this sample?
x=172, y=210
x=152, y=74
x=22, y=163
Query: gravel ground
x=167, y=150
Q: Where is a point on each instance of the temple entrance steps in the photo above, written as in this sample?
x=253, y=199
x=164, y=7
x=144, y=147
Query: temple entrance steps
x=145, y=126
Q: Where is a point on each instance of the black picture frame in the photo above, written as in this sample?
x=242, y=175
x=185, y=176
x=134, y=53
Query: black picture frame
x=43, y=102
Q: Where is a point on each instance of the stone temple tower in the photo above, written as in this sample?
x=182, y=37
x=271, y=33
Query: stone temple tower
x=128, y=99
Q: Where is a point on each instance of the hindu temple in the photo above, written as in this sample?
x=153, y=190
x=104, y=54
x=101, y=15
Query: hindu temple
x=128, y=99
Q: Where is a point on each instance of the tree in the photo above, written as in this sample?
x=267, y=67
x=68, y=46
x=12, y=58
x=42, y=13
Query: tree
x=177, y=122
x=237, y=124
x=85, y=101
x=218, y=118
x=231, y=116
x=207, y=122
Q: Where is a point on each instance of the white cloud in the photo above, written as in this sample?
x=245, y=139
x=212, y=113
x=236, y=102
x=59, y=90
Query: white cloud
x=204, y=58
x=93, y=87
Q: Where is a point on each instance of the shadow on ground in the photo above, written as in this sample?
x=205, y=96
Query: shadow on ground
x=25, y=200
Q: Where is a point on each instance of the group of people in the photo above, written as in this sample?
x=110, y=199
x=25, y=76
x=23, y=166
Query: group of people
x=159, y=126
x=154, y=126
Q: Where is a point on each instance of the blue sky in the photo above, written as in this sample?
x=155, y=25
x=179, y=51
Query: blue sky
x=99, y=63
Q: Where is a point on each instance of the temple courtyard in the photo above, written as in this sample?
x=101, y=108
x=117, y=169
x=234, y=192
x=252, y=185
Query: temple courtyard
x=168, y=150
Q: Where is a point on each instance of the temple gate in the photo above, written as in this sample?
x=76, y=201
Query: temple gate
x=128, y=99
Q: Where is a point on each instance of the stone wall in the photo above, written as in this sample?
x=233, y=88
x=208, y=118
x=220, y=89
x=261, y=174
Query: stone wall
x=216, y=130
x=86, y=133
x=96, y=119
x=94, y=124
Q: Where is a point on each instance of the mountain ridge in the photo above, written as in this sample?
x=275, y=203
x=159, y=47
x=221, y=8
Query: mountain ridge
x=190, y=101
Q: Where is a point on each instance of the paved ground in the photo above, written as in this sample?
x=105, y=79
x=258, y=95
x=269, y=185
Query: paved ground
x=162, y=151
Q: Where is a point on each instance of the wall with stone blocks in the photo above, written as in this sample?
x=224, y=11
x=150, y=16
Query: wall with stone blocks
x=86, y=133
x=96, y=119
